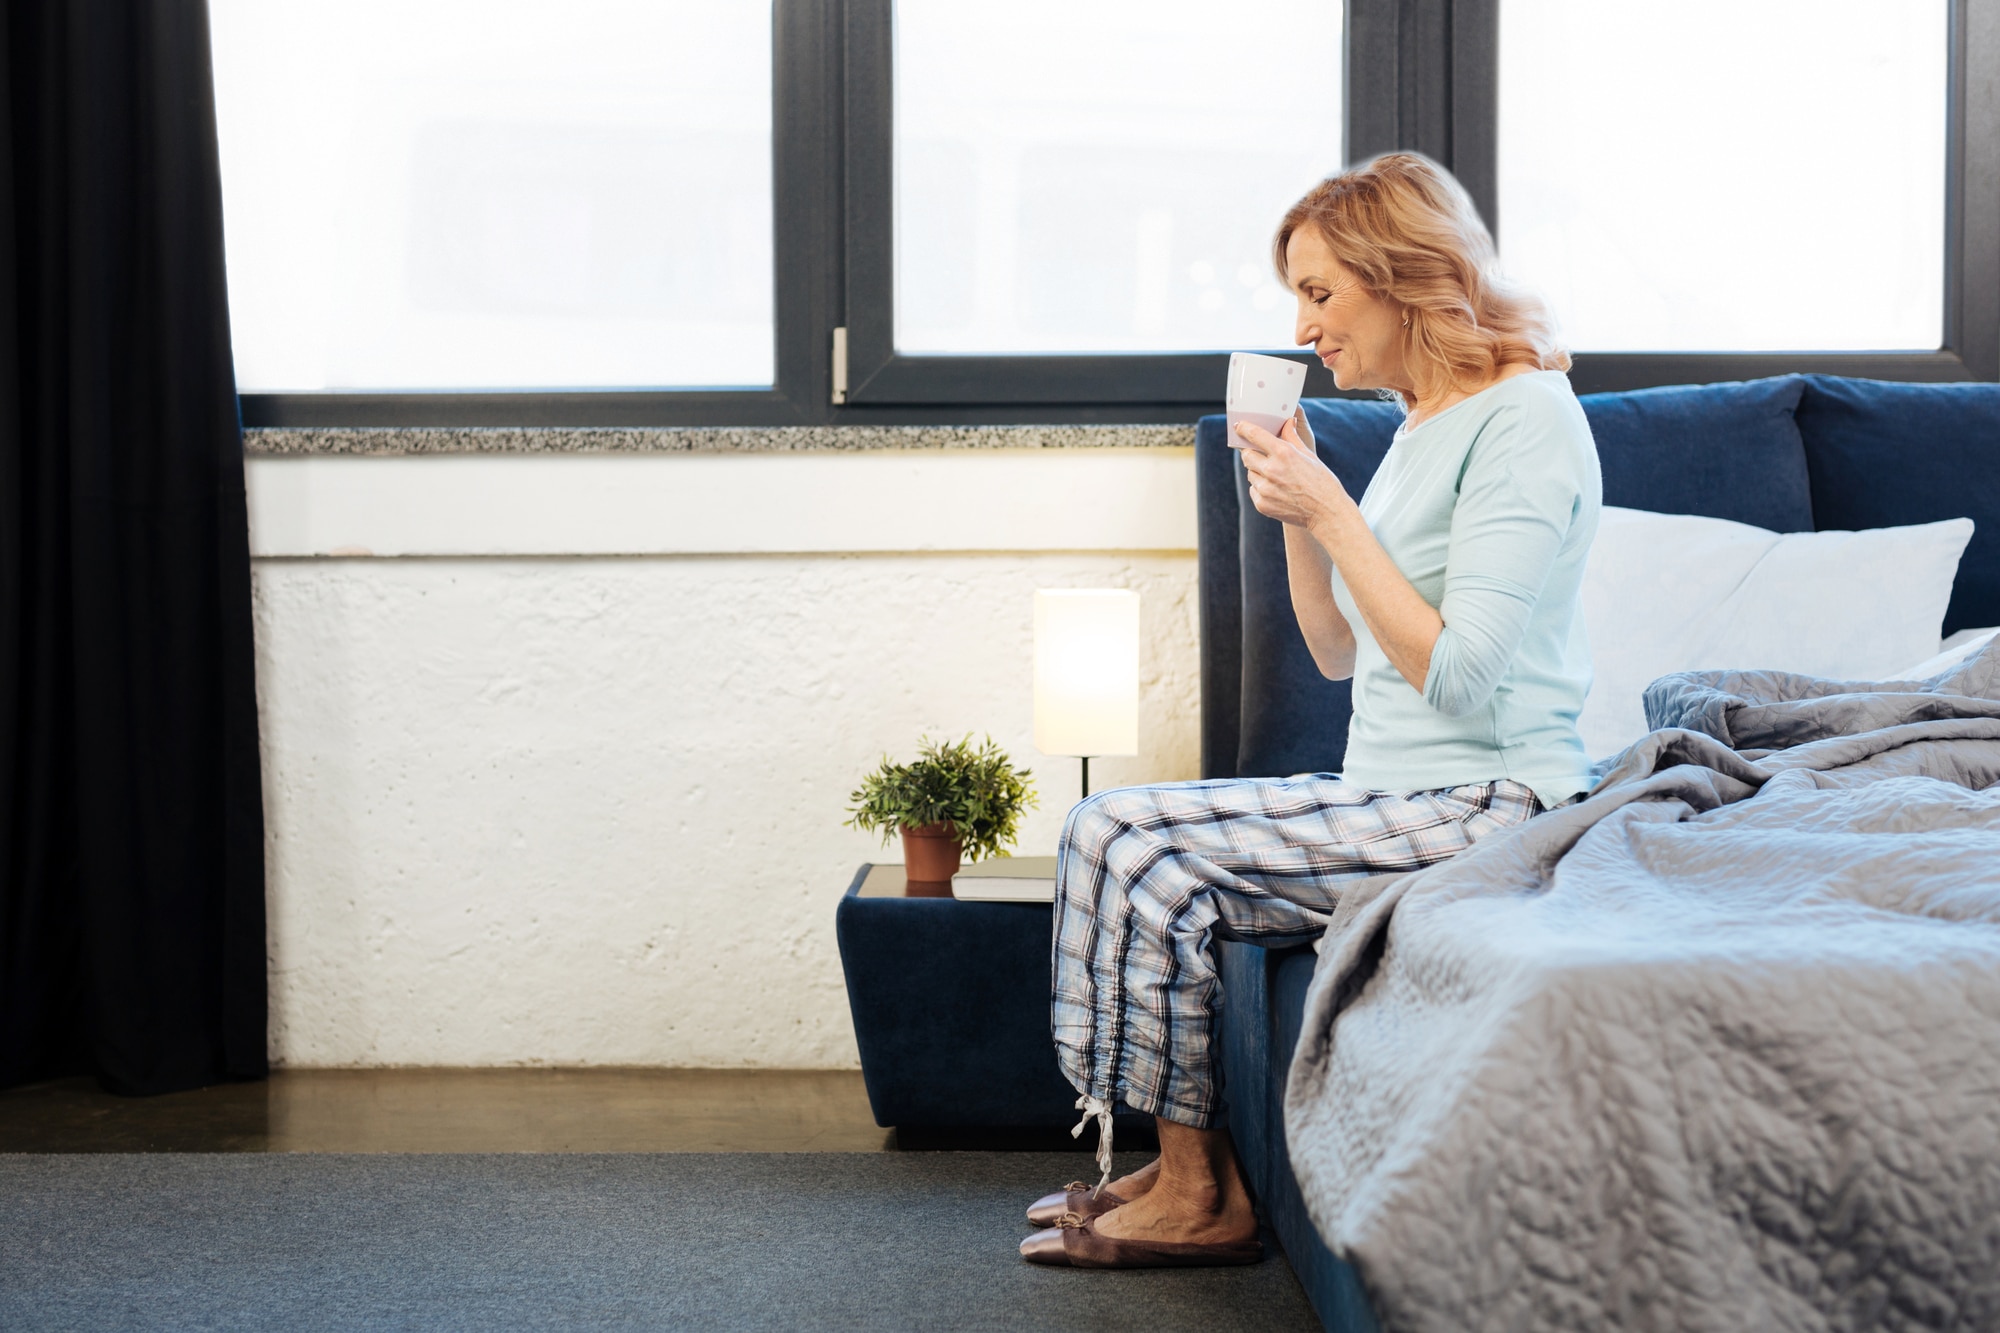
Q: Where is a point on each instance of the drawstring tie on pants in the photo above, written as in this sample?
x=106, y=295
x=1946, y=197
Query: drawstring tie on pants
x=1095, y=1107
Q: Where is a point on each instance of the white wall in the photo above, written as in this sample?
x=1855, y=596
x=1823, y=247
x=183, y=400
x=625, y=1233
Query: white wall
x=542, y=808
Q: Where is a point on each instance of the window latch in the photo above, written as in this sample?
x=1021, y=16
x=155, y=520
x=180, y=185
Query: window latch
x=840, y=365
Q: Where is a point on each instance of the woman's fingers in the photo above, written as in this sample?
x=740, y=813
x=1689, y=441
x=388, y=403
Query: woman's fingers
x=1285, y=483
x=1256, y=436
x=1294, y=433
x=1271, y=462
x=1270, y=492
x=1299, y=431
x=1266, y=478
x=1258, y=468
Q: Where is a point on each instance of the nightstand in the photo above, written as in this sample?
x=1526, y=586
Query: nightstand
x=951, y=1008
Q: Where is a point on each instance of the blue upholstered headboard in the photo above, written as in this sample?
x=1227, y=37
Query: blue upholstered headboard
x=1791, y=454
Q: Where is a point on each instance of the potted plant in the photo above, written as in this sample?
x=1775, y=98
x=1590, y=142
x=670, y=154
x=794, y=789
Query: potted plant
x=954, y=800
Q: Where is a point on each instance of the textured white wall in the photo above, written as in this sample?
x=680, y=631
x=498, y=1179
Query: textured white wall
x=718, y=504
x=587, y=810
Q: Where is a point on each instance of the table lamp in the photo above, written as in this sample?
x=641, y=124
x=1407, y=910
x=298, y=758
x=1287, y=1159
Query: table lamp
x=1086, y=673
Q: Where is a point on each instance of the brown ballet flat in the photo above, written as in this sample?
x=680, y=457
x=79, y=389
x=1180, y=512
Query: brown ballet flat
x=1076, y=1197
x=1073, y=1242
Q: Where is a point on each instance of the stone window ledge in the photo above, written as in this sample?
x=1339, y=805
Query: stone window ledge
x=287, y=442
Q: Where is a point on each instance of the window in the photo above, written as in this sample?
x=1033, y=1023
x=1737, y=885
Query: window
x=1716, y=175
x=422, y=194
x=1103, y=177
x=748, y=212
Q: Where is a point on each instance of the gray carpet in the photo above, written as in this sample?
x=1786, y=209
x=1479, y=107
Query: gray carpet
x=685, y=1240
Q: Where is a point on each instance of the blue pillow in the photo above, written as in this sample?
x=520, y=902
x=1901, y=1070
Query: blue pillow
x=1719, y=450
x=1884, y=454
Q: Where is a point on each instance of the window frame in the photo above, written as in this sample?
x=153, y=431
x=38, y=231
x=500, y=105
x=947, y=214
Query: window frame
x=1421, y=74
x=878, y=373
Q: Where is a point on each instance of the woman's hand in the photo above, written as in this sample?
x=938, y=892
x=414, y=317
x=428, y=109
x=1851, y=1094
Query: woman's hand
x=1287, y=480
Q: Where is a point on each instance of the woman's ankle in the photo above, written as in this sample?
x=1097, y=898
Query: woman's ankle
x=1139, y=1182
x=1211, y=1196
x=1199, y=1174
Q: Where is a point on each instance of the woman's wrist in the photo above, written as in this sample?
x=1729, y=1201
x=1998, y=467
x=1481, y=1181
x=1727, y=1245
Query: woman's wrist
x=1334, y=528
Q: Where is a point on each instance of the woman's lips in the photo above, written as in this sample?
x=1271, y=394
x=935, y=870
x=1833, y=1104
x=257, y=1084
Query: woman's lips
x=1326, y=358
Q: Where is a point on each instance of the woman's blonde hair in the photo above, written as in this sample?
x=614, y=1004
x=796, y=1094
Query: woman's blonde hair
x=1411, y=234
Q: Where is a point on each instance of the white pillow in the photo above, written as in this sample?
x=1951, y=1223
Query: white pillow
x=1673, y=592
x=1950, y=653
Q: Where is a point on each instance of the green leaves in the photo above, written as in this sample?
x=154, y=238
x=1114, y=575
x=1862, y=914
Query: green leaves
x=978, y=792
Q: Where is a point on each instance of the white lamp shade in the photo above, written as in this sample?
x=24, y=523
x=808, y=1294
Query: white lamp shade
x=1086, y=671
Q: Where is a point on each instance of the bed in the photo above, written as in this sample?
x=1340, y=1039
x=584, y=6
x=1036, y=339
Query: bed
x=1791, y=454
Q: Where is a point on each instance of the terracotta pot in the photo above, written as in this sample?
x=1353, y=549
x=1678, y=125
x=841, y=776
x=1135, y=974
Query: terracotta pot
x=930, y=859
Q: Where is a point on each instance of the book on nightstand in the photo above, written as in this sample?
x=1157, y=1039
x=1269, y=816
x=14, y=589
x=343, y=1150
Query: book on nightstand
x=1007, y=879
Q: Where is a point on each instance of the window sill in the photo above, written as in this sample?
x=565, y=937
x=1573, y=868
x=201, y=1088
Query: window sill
x=294, y=442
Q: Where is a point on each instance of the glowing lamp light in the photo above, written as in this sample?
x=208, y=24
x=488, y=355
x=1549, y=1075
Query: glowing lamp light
x=1086, y=673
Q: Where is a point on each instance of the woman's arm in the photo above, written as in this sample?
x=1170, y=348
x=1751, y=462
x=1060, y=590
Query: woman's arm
x=1327, y=633
x=1518, y=499
x=1290, y=484
x=1405, y=626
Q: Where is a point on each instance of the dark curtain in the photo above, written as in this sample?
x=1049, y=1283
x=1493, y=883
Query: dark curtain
x=131, y=818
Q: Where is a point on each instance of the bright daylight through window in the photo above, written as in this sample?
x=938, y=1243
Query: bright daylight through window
x=1716, y=175
x=500, y=194
x=1105, y=177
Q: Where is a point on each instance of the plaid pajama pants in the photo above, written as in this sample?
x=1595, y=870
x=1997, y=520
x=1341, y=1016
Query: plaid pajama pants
x=1146, y=875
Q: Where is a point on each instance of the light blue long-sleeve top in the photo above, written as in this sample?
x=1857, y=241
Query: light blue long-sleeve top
x=1489, y=509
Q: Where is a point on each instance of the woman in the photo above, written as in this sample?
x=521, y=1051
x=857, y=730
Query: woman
x=1448, y=593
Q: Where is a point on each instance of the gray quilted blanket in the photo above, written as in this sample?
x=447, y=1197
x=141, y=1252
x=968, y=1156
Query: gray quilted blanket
x=1716, y=1048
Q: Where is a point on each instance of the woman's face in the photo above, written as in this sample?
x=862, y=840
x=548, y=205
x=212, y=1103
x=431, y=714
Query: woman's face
x=1359, y=336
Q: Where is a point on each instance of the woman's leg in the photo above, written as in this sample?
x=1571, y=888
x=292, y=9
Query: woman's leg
x=1146, y=875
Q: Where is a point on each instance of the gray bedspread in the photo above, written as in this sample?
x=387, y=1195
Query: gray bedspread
x=1717, y=1048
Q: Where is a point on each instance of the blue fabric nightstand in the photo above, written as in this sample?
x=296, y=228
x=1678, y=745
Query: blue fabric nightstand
x=951, y=1008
